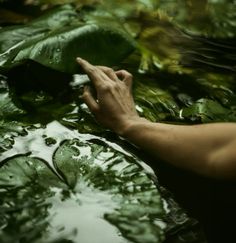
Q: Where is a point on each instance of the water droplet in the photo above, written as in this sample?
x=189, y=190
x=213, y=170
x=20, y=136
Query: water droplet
x=50, y=141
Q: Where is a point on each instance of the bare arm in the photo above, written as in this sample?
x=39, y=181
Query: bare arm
x=209, y=149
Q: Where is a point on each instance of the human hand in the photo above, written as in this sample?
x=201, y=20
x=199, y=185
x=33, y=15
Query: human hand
x=113, y=105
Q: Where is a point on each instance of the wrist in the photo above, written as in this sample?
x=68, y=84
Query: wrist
x=130, y=125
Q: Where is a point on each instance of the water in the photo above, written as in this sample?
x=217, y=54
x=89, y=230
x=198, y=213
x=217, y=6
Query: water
x=84, y=223
x=77, y=211
x=64, y=177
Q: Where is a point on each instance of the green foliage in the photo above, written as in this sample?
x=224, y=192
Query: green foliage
x=93, y=176
x=57, y=181
x=209, y=111
x=55, y=40
x=9, y=128
x=52, y=21
x=59, y=50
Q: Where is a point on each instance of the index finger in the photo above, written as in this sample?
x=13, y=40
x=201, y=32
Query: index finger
x=95, y=74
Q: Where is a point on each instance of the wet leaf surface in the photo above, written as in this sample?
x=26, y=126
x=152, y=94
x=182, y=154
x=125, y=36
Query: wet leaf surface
x=95, y=182
x=63, y=177
x=55, y=41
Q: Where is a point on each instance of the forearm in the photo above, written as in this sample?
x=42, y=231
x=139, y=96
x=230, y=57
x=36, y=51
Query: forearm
x=205, y=149
x=187, y=147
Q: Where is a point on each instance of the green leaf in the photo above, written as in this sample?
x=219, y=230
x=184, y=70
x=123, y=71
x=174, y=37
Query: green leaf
x=9, y=130
x=56, y=184
x=93, y=181
x=15, y=36
x=55, y=46
x=156, y=104
x=9, y=127
x=104, y=168
x=7, y=107
x=98, y=45
x=73, y=187
x=208, y=111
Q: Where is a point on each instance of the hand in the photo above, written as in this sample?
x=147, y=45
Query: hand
x=113, y=106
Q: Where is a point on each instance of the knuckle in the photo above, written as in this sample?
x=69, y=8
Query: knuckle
x=129, y=75
x=105, y=69
x=85, y=95
x=110, y=70
x=116, y=86
x=91, y=69
x=110, y=87
x=105, y=88
x=122, y=71
x=126, y=74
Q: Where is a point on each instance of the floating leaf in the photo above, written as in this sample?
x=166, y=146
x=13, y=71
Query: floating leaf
x=156, y=104
x=63, y=188
x=208, y=111
x=91, y=179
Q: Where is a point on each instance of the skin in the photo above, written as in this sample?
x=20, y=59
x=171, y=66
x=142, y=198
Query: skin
x=206, y=149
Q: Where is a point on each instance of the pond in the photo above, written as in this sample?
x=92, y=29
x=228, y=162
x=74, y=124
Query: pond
x=65, y=178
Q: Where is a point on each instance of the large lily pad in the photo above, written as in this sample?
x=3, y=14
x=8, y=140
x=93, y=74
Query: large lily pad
x=94, y=181
x=57, y=185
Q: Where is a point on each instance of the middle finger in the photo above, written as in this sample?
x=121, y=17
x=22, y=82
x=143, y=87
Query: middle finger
x=109, y=72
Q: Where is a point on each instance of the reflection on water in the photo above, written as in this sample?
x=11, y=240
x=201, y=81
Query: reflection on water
x=35, y=142
x=97, y=192
x=84, y=223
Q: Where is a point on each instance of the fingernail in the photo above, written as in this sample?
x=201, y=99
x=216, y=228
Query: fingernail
x=78, y=59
